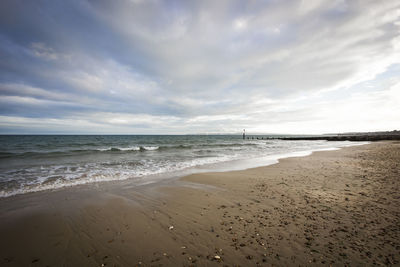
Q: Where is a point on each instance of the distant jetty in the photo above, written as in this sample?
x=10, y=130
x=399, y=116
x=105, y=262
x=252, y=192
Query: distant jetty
x=366, y=136
x=370, y=136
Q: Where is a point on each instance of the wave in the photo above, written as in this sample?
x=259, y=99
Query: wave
x=6, y=154
x=135, y=148
x=76, y=151
x=149, y=147
x=139, y=148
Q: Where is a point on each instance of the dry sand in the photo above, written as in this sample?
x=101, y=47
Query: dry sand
x=331, y=208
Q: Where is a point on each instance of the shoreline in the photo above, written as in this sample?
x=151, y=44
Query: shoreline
x=222, y=166
x=332, y=207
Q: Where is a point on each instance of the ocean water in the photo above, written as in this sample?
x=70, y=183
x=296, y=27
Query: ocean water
x=35, y=163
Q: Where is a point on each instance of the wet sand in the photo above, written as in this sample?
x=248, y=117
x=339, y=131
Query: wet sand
x=331, y=208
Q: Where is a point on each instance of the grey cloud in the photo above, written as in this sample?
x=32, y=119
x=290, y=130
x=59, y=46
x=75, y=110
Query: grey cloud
x=187, y=58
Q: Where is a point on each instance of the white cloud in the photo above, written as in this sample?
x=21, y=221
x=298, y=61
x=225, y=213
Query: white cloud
x=240, y=24
x=214, y=66
x=43, y=51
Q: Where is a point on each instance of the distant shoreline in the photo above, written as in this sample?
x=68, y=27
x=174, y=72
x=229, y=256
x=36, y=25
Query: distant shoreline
x=361, y=136
x=345, y=138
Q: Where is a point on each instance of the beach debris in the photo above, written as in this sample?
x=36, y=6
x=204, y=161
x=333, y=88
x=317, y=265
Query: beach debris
x=8, y=259
x=183, y=247
x=171, y=227
x=216, y=257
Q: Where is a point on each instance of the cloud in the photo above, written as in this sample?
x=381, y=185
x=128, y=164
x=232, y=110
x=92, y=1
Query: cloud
x=185, y=67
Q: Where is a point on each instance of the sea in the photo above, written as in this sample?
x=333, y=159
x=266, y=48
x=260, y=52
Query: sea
x=30, y=163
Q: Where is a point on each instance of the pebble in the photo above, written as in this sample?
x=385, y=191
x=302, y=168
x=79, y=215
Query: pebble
x=171, y=227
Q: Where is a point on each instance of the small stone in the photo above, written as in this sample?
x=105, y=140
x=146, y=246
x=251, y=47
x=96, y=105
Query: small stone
x=171, y=227
x=217, y=257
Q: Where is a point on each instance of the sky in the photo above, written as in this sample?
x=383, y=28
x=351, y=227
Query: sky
x=190, y=67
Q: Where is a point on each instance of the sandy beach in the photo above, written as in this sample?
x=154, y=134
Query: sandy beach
x=334, y=208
